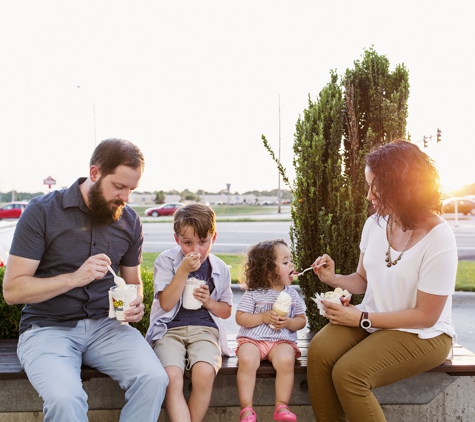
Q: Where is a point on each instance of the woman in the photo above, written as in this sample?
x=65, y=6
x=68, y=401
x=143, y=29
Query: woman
x=407, y=271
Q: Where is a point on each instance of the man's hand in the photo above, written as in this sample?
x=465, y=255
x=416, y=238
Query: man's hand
x=94, y=268
x=135, y=314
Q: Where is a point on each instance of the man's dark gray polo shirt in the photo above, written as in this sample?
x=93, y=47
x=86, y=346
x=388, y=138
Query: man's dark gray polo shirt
x=57, y=230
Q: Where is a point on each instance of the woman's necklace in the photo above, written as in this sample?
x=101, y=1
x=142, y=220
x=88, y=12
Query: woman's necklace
x=388, y=253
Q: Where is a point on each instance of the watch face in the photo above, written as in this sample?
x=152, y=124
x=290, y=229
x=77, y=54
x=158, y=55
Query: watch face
x=366, y=323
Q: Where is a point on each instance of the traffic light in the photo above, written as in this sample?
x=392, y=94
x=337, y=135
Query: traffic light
x=425, y=141
x=439, y=135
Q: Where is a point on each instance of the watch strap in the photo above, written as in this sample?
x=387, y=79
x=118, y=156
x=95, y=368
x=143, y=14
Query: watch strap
x=365, y=322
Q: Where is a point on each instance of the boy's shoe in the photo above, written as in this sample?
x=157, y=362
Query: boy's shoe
x=285, y=416
x=249, y=418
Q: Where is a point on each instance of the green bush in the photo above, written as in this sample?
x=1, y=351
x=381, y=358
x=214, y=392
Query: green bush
x=147, y=278
x=9, y=322
x=10, y=319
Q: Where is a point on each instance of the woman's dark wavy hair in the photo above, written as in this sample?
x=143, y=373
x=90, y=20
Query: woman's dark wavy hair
x=111, y=153
x=406, y=182
x=259, y=269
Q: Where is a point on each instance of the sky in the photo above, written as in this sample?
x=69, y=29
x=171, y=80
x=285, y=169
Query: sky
x=196, y=83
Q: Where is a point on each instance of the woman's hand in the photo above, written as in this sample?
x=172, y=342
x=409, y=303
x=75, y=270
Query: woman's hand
x=324, y=268
x=341, y=315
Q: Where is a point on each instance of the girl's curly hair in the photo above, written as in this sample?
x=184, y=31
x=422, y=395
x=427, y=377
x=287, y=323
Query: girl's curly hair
x=406, y=182
x=259, y=269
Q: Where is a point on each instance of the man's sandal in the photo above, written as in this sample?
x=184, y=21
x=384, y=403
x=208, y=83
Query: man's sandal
x=249, y=418
x=284, y=416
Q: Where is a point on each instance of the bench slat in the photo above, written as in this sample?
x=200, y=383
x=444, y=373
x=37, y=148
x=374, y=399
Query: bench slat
x=462, y=364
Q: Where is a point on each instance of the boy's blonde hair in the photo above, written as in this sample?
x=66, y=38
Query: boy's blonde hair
x=200, y=217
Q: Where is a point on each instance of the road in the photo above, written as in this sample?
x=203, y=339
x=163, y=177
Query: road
x=236, y=237
x=231, y=237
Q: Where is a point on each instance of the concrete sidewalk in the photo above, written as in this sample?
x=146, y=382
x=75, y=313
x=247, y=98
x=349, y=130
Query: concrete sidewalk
x=463, y=309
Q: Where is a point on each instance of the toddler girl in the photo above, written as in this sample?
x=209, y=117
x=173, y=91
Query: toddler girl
x=262, y=333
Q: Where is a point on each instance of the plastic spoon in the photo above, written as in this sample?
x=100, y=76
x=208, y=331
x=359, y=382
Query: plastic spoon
x=323, y=264
x=117, y=280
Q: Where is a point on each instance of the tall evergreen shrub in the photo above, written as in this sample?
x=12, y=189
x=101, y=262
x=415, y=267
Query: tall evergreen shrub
x=365, y=108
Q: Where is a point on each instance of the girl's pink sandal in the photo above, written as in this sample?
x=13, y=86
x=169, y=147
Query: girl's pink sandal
x=286, y=416
x=249, y=418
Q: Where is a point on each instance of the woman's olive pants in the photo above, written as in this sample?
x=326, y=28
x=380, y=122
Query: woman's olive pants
x=346, y=363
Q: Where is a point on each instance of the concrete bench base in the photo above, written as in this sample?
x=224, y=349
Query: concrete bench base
x=425, y=397
x=432, y=396
x=454, y=403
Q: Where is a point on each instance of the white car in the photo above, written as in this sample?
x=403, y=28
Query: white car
x=7, y=229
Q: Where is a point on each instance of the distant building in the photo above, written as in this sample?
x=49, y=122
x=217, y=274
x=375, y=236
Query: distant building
x=222, y=199
x=142, y=198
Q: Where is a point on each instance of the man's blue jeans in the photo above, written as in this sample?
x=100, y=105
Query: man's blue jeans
x=52, y=358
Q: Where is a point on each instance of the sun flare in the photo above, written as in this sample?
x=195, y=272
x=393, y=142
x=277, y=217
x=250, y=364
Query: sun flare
x=453, y=177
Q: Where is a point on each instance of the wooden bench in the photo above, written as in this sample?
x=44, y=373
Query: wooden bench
x=17, y=394
x=462, y=364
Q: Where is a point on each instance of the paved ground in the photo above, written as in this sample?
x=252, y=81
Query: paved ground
x=463, y=310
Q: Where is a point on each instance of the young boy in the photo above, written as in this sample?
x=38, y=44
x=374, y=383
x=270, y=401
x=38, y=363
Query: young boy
x=190, y=341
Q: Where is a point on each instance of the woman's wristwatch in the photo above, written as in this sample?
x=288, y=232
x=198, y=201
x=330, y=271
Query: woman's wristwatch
x=365, y=321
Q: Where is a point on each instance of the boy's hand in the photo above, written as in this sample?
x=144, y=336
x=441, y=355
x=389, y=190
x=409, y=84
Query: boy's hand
x=202, y=294
x=191, y=262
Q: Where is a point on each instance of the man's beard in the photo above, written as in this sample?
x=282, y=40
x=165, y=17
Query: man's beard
x=102, y=211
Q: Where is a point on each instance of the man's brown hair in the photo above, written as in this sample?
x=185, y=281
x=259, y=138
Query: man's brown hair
x=112, y=153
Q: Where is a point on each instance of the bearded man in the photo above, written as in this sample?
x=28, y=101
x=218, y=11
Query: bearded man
x=58, y=267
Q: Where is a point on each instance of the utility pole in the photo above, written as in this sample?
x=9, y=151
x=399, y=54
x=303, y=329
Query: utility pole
x=93, y=113
x=279, y=195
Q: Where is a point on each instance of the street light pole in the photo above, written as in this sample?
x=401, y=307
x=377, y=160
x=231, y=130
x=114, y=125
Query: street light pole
x=93, y=113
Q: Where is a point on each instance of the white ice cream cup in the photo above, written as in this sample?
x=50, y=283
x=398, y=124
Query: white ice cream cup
x=121, y=298
x=337, y=300
x=189, y=301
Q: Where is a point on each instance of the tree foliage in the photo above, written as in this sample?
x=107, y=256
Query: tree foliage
x=160, y=197
x=365, y=108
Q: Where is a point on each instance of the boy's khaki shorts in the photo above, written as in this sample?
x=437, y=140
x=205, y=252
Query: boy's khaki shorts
x=184, y=346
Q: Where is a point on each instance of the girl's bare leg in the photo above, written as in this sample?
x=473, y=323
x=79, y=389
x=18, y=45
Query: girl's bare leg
x=249, y=359
x=282, y=358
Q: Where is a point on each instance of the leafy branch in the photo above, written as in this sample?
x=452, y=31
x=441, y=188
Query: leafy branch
x=280, y=167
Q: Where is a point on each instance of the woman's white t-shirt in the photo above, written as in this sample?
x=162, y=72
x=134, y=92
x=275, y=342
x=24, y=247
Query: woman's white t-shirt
x=429, y=266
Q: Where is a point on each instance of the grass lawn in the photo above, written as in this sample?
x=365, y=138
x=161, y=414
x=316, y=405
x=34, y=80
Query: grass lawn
x=234, y=260
x=465, y=276
x=465, y=273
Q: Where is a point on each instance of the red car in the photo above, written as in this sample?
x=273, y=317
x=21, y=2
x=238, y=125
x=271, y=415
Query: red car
x=165, y=209
x=12, y=209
